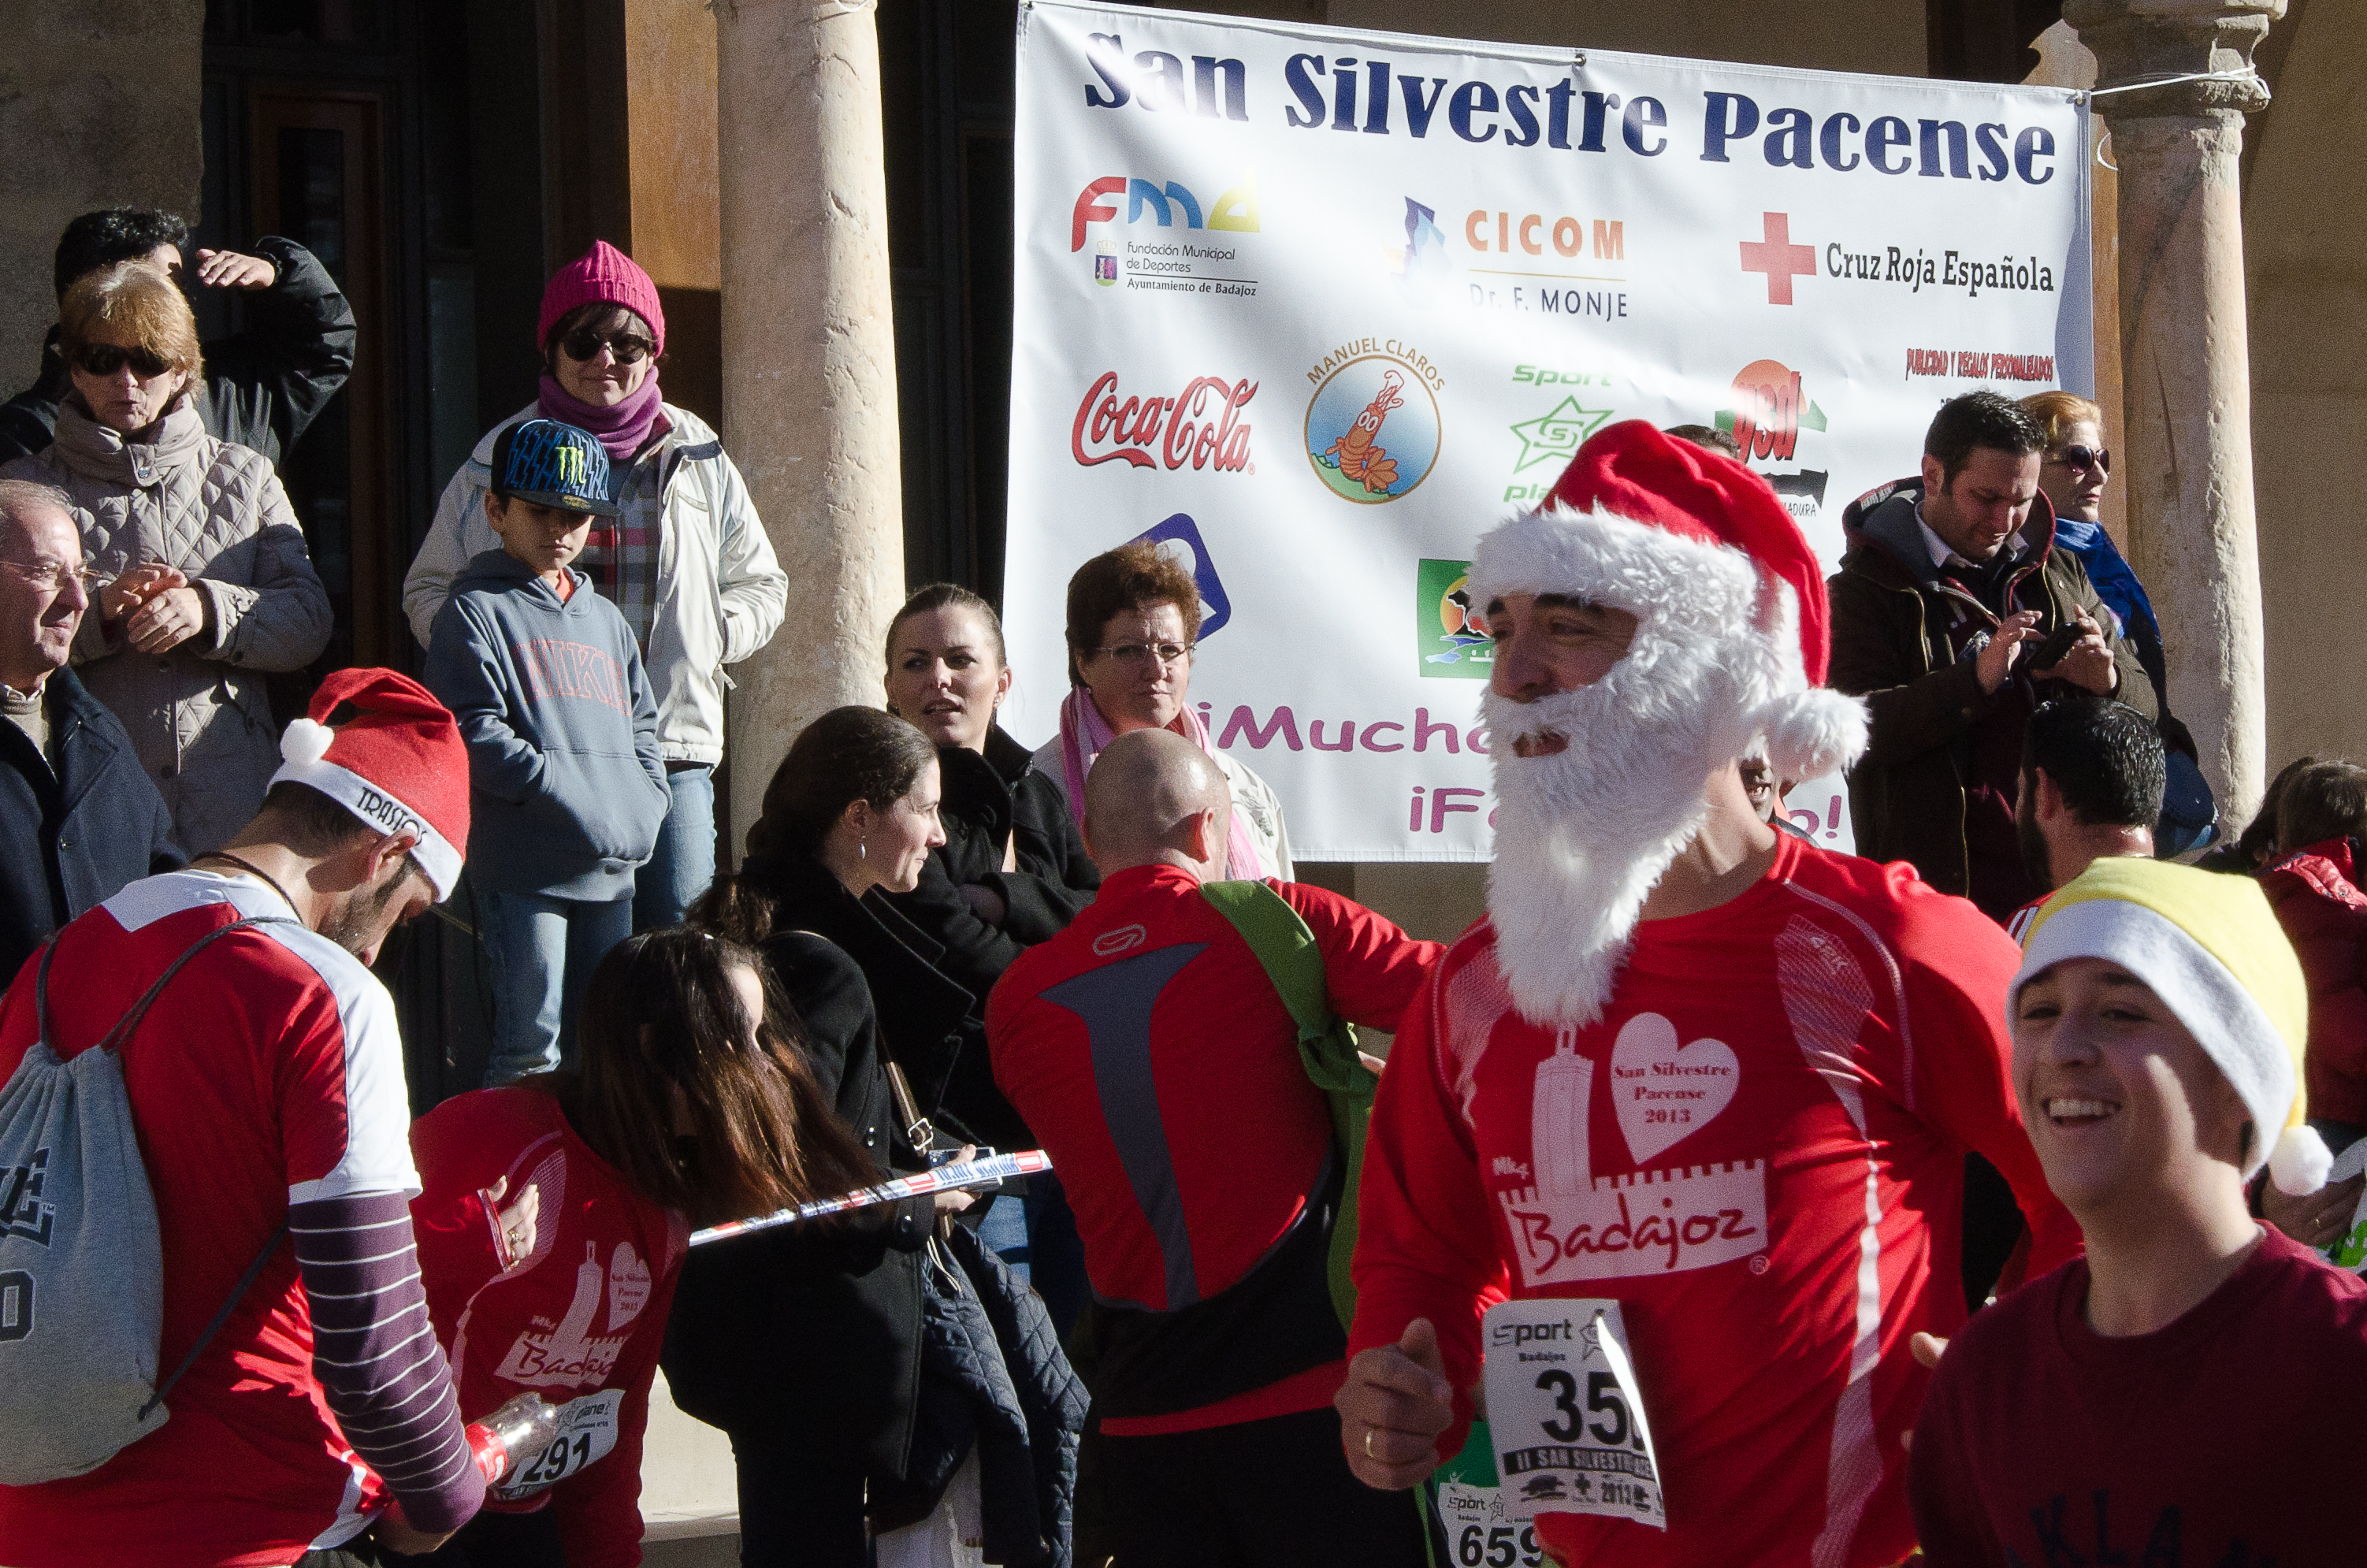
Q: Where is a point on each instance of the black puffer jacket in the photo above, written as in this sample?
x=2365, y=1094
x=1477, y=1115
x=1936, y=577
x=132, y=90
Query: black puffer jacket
x=992, y=1378
x=261, y=387
x=990, y=802
x=808, y=1333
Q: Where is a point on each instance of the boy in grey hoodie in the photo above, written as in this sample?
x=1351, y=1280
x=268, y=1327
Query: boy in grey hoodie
x=567, y=788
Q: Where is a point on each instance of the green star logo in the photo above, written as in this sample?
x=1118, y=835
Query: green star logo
x=1556, y=436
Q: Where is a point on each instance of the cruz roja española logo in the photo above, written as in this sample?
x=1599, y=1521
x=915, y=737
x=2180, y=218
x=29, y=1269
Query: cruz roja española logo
x=1372, y=427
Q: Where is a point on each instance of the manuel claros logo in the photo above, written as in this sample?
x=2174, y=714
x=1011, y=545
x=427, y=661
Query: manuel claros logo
x=1372, y=427
x=1450, y=633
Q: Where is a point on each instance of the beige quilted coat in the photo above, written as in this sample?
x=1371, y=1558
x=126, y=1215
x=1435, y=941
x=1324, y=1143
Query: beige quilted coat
x=196, y=713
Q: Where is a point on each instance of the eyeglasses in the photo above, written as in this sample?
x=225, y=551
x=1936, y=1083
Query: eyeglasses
x=48, y=577
x=106, y=359
x=2097, y=458
x=1134, y=655
x=630, y=347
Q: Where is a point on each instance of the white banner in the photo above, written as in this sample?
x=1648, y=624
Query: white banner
x=1320, y=306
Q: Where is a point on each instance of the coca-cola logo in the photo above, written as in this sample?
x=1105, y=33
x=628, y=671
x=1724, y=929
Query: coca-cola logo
x=1201, y=426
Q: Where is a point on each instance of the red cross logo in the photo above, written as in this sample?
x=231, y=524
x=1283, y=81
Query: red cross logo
x=1778, y=257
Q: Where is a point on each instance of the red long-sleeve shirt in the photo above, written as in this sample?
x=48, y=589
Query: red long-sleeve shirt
x=2315, y=894
x=1146, y=1049
x=579, y=1321
x=1758, y=1152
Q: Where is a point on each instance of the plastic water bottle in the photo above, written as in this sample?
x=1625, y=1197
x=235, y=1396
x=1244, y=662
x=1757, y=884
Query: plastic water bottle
x=526, y=1425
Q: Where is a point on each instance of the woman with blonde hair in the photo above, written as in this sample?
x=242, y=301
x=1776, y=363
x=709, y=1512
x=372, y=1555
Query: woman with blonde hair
x=208, y=585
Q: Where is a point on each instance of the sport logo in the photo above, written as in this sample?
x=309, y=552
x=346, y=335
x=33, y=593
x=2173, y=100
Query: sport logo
x=1373, y=424
x=1769, y=415
x=1193, y=428
x=1450, y=631
x=1556, y=436
x=1236, y=210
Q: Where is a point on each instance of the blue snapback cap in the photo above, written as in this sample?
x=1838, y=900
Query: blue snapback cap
x=553, y=464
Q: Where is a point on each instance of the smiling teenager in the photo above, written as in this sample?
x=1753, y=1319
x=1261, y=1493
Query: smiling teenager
x=1776, y=1230
x=2195, y=1389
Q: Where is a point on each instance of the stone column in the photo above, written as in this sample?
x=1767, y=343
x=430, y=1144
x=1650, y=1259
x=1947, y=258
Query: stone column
x=809, y=359
x=2186, y=377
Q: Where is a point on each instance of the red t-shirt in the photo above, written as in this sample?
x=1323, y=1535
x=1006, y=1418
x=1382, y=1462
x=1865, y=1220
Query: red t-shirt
x=270, y=1073
x=2233, y=1436
x=1221, y=1139
x=579, y=1321
x=1758, y=1151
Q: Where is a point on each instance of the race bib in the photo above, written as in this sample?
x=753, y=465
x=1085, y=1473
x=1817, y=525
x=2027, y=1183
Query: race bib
x=2349, y=1249
x=587, y=1430
x=1471, y=1506
x=1567, y=1414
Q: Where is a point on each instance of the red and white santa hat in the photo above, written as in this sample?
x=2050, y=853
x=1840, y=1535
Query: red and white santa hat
x=380, y=746
x=1701, y=551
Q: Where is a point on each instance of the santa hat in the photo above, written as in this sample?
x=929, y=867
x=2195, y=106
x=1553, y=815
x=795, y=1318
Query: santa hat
x=380, y=746
x=2210, y=947
x=601, y=276
x=1696, y=547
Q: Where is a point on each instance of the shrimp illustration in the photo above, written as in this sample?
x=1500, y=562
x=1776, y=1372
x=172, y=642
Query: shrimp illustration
x=1358, y=458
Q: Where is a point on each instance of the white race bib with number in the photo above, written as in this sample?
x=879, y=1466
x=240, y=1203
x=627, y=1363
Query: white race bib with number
x=587, y=1430
x=1567, y=1414
x=1480, y=1535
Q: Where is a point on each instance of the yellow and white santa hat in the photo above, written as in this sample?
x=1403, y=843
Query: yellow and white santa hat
x=2210, y=947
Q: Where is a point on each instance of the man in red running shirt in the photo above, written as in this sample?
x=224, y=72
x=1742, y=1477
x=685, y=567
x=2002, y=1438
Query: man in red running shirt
x=1147, y=1048
x=1722, y=1077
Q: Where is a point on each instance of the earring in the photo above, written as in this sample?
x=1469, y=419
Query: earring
x=861, y=850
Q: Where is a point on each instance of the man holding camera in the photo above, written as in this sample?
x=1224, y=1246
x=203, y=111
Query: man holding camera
x=1952, y=613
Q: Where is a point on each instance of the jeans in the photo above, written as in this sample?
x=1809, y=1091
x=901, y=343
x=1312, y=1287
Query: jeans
x=540, y=953
x=683, y=865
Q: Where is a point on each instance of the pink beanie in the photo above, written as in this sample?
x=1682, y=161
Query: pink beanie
x=603, y=275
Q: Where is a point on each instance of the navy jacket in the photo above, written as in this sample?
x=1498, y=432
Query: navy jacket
x=566, y=785
x=70, y=838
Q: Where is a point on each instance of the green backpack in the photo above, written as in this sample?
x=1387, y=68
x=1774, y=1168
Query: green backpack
x=1326, y=1044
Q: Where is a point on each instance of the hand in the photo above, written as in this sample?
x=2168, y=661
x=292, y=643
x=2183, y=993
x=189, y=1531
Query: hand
x=2316, y=1219
x=166, y=619
x=515, y=1224
x=132, y=589
x=953, y=1202
x=1995, y=661
x=234, y=269
x=984, y=902
x=395, y=1533
x=1927, y=1349
x=2088, y=665
x=1393, y=1407
x=1011, y=852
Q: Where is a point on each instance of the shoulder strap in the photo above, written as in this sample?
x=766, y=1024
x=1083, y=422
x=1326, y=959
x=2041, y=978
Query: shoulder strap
x=222, y=1315
x=120, y=1035
x=1284, y=945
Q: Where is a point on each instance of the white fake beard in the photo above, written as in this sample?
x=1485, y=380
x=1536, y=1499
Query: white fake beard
x=1582, y=837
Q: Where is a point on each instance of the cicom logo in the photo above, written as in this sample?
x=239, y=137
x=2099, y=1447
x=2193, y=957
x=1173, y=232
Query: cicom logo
x=1372, y=426
x=1781, y=433
x=1450, y=633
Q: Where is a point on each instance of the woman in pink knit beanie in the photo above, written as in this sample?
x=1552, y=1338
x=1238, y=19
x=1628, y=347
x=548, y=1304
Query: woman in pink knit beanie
x=685, y=560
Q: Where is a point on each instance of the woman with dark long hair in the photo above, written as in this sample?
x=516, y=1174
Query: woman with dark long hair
x=554, y=1217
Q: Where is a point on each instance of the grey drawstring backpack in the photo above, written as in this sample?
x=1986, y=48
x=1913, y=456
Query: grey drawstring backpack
x=82, y=1286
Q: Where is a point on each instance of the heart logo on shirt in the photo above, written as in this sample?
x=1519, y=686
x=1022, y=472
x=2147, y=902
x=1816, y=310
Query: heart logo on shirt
x=1663, y=1091
x=628, y=1286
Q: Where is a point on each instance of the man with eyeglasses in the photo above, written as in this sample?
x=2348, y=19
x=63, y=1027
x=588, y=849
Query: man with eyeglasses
x=262, y=386
x=79, y=817
x=1955, y=613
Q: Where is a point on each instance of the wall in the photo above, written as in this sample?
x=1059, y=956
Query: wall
x=2306, y=245
x=676, y=233
x=98, y=107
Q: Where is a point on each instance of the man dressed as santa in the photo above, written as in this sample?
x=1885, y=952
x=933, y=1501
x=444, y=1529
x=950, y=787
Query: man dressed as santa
x=1717, y=1074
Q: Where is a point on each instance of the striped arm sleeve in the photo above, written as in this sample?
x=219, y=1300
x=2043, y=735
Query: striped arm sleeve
x=373, y=1351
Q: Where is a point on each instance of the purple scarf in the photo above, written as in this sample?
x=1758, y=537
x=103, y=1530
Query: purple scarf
x=623, y=427
x=1084, y=735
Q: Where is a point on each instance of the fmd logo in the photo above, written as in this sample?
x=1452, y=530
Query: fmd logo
x=1235, y=209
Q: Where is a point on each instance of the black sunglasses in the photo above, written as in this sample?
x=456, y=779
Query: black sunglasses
x=2097, y=458
x=106, y=359
x=584, y=342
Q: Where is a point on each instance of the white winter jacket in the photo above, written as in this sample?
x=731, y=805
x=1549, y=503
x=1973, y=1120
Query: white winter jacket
x=719, y=592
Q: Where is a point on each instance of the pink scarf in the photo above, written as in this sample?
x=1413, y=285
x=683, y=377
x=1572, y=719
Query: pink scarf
x=1084, y=735
x=623, y=427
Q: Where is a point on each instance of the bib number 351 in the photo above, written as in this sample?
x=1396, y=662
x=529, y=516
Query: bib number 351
x=1567, y=1414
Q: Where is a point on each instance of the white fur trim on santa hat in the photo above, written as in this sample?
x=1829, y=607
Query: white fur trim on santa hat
x=1609, y=559
x=305, y=765
x=2301, y=1162
x=1813, y=733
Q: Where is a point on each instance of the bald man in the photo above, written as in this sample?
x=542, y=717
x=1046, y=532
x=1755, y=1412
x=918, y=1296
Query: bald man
x=1148, y=1050
x=79, y=817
